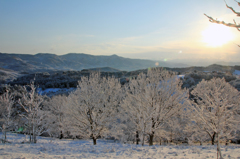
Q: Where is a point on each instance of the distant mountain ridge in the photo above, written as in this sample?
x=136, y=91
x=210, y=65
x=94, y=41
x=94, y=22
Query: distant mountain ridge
x=46, y=62
x=72, y=61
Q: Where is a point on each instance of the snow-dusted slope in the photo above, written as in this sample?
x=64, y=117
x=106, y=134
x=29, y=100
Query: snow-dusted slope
x=55, y=148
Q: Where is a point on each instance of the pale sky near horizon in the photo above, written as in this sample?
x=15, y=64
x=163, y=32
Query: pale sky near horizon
x=147, y=29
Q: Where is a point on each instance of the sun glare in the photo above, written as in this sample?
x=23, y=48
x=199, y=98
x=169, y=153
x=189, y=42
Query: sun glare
x=217, y=35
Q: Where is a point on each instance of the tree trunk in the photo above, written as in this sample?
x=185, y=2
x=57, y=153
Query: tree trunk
x=171, y=136
x=227, y=142
x=219, y=153
x=143, y=140
x=34, y=135
x=4, y=136
x=61, y=135
x=137, y=138
x=213, y=138
x=35, y=139
x=94, y=141
x=151, y=139
x=30, y=133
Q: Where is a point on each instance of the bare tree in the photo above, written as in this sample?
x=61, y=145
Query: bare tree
x=235, y=25
x=6, y=108
x=31, y=102
x=92, y=107
x=216, y=104
x=152, y=99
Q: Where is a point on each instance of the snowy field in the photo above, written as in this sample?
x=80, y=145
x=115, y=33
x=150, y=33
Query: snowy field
x=64, y=149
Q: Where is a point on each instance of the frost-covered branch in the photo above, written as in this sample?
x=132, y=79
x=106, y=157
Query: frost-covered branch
x=237, y=13
x=235, y=25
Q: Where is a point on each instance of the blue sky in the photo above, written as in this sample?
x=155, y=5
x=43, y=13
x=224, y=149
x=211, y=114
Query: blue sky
x=148, y=29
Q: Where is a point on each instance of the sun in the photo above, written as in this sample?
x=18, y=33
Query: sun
x=217, y=35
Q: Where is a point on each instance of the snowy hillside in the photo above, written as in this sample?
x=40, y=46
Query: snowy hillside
x=55, y=148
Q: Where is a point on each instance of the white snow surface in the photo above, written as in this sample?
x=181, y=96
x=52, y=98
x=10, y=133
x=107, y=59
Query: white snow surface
x=236, y=72
x=180, y=76
x=68, y=148
x=54, y=90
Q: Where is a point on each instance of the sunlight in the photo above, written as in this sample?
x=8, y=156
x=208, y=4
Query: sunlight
x=217, y=35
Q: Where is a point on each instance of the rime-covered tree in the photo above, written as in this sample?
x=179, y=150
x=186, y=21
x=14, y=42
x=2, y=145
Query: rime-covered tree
x=152, y=99
x=124, y=130
x=216, y=104
x=31, y=103
x=190, y=128
x=203, y=129
x=6, y=110
x=93, y=106
x=200, y=132
x=56, y=116
x=180, y=127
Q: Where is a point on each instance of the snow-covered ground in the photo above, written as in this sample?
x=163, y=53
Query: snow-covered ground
x=236, y=72
x=180, y=76
x=54, y=91
x=67, y=148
